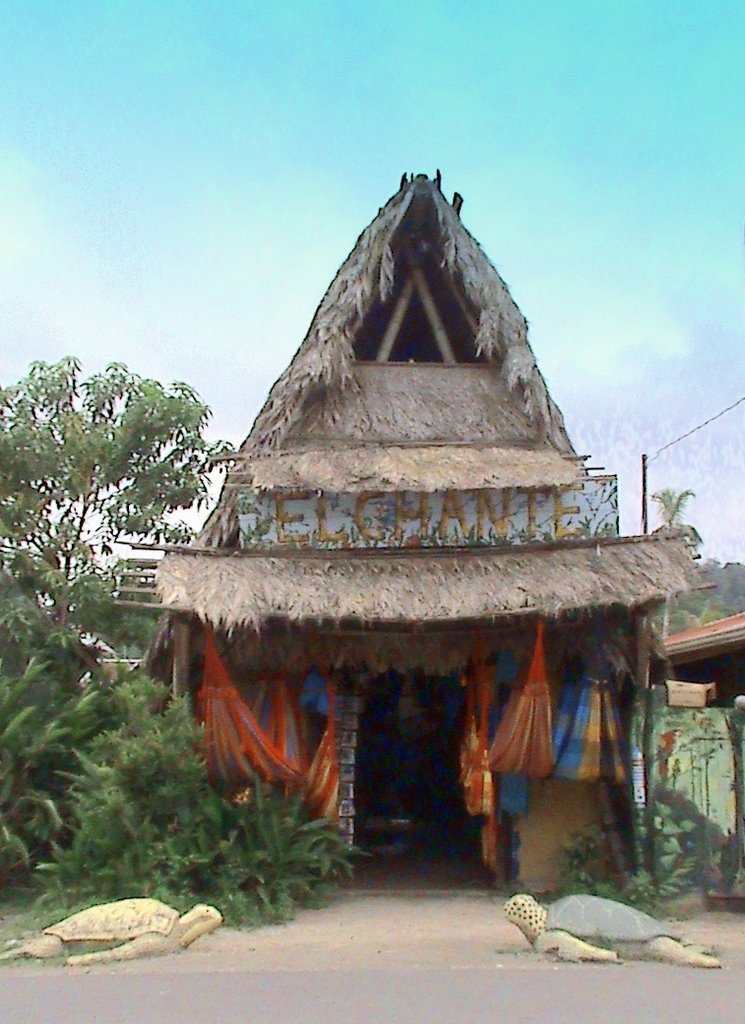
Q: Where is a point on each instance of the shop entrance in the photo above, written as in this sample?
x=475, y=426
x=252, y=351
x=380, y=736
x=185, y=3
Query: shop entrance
x=412, y=822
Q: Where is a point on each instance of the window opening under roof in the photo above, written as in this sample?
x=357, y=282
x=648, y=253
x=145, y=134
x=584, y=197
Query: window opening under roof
x=424, y=321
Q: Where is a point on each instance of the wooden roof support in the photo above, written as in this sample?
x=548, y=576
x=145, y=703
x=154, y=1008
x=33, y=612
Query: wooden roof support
x=394, y=324
x=433, y=315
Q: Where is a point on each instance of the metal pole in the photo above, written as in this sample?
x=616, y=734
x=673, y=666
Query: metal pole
x=645, y=517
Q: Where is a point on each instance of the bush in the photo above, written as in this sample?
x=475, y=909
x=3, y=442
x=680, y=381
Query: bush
x=41, y=723
x=147, y=822
x=587, y=869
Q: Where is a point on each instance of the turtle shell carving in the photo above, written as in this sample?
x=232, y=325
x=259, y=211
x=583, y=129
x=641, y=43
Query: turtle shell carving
x=592, y=917
x=119, y=921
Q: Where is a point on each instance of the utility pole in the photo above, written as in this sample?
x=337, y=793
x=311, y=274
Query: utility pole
x=645, y=517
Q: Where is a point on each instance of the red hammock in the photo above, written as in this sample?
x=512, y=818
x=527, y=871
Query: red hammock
x=237, y=745
x=523, y=741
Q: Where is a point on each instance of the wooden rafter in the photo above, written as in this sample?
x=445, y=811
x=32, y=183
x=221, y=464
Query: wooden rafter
x=433, y=315
x=394, y=324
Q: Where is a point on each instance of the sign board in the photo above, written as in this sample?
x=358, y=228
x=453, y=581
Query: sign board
x=399, y=519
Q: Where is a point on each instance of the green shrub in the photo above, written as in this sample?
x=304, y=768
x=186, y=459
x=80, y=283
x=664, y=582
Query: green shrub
x=587, y=868
x=147, y=822
x=40, y=725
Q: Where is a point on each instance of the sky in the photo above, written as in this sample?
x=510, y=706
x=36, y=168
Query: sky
x=179, y=182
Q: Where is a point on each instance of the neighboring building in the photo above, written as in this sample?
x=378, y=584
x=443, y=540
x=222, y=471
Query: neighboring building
x=714, y=653
x=406, y=509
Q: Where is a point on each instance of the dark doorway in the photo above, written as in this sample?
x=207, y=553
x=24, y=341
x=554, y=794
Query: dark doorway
x=412, y=824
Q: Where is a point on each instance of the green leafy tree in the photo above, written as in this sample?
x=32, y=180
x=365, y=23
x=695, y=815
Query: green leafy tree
x=88, y=464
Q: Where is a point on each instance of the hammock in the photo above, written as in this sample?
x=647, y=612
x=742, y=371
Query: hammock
x=522, y=742
x=322, y=786
x=588, y=737
x=476, y=777
x=237, y=745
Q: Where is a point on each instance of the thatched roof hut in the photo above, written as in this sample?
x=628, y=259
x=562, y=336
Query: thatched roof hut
x=408, y=496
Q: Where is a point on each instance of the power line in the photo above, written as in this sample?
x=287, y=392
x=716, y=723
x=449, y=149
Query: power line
x=699, y=427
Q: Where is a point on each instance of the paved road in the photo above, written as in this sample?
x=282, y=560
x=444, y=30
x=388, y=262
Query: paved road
x=513, y=993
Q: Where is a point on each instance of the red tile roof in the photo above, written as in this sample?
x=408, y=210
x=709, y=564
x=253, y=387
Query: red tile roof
x=713, y=638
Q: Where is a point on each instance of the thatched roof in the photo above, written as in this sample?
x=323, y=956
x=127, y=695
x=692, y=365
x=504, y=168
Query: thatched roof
x=418, y=468
x=248, y=590
x=340, y=424
x=324, y=369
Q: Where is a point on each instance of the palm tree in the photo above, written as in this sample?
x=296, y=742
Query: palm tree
x=671, y=506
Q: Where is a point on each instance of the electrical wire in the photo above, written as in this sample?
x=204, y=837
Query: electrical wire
x=699, y=427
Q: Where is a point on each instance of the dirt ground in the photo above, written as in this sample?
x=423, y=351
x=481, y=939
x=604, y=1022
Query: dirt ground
x=457, y=931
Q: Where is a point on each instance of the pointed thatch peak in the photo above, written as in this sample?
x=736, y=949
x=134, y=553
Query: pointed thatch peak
x=324, y=368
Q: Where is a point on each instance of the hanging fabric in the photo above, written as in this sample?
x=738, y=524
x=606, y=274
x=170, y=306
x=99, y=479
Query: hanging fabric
x=237, y=745
x=322, y=787
x=476, y=777
x=522, y=742
x=588, y=738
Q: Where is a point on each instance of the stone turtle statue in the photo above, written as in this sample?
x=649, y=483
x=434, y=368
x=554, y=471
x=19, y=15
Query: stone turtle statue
x=567, y=926
x=129, y=928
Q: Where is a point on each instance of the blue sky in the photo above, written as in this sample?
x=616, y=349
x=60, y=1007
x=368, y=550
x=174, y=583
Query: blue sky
x=179, y=182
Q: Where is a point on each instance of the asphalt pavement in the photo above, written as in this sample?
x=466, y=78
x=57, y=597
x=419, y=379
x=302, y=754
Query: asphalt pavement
x=527, y=991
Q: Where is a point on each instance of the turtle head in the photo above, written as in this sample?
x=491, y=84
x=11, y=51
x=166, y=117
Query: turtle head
x=527, y=913
x=200, y=920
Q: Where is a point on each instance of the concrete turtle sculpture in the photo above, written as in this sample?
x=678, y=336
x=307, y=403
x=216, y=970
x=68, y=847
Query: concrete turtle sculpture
x=567, y=927
x=129, y=928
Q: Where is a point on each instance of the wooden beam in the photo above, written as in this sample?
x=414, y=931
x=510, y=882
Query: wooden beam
x=433, y=315
x=395, y=322
x=451, y=551
x=180, y=673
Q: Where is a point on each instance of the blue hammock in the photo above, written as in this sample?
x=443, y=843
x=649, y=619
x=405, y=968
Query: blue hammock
x=588, y=738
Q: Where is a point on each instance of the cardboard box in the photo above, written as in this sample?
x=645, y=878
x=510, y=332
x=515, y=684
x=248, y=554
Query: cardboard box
x=689, y=695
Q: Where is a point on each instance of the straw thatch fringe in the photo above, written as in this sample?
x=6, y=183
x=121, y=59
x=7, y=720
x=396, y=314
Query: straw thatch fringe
x=432, y=650
x=235, y=592
x=389, y=468
x=326, y=358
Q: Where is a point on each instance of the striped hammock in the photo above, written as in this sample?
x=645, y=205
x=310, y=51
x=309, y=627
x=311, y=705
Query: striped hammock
x=588, y=737
x=266, y=739
x=522, y=742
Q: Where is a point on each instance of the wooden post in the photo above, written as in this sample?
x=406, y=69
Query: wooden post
x=180, y=673
x=645, y=512
x=643, y=660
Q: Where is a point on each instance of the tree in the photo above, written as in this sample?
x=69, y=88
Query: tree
x=86, y=465
x=671, y=506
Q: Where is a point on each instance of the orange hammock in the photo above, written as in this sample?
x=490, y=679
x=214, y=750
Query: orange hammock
x=476, y=777
x=266, y=740
x=237, y=745
x=522, y=742
x=322, y=786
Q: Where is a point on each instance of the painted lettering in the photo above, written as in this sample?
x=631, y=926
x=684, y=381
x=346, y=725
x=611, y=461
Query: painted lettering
x=284, y=518
x=410, y=514
x=452, y=508
x=485, y=509
x=371, y=536
x=560, y=510
x=324, y=535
